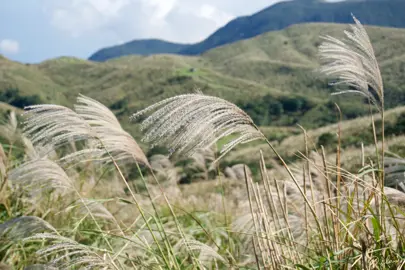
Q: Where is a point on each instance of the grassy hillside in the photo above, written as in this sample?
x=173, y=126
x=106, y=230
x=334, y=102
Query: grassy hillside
x=273, y=77
x=284, y=14
x=290, y=142
x=275, y=17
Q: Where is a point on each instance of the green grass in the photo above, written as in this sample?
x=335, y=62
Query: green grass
x=278, y=65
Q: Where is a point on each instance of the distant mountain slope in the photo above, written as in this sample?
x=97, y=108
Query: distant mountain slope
x=287, y=59
x=141, y=47
x=276, y=17
x=271, y=76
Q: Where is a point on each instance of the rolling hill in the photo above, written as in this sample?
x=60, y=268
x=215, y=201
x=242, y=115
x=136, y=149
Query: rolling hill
x=272, y=77
x=275, y=17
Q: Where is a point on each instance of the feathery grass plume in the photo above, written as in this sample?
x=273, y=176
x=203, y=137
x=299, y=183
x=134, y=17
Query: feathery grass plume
x=97, y=209
x=191, y=122
x=160, y=163
x=202, y=163
x=103, y=122
x=54, y=125
x=207, y=253
x=24, y=226
x=90, y=120
x=41, y=175
x=10, y=130
x=39, y=151
x=166, y=171
x=354, y=63
x=69, y=254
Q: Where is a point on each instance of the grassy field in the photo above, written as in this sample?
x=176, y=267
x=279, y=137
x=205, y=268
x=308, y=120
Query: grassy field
x=78, y=192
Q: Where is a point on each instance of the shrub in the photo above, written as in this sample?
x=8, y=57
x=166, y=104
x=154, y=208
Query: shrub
x=12, y=96
x=327, y=139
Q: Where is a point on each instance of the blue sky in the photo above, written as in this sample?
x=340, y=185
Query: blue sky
x=35, y=30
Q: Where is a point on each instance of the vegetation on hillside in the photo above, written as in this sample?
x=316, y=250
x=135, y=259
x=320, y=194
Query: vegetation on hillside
x=279, y=67
x=77, y=191
x=12, y=96
x=275, y=17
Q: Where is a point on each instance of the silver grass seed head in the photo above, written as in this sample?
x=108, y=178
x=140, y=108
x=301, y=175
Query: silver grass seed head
x=207, y=253
x=353, y=63
x=9, y=130
x=192, y=122
x=119, y=143
x=69, y=254
x=50, y=126
x=98, y=210
x=40, y=175
x=24, y=226
x=38, y=151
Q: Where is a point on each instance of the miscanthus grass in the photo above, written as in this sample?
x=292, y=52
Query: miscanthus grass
x=317, y=215
x=188, y=123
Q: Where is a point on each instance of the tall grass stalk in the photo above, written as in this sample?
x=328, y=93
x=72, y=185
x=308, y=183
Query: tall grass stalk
x=299, y=188
x=191, y=253
x=223, y=200
x=137, y=204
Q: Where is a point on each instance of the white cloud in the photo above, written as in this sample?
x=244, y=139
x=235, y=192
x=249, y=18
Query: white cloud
x=9, y=46
x=158, y=9
x=211, y=12
x=174, y=20
x=79, y=17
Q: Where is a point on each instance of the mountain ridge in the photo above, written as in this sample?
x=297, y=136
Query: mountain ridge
x=275, y=17
x=142, y=46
